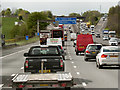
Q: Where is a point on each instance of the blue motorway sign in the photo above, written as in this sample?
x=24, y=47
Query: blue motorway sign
x=66, y=20
x=27, y=37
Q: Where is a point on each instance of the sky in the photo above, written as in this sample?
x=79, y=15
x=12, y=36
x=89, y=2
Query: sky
x=60, y=7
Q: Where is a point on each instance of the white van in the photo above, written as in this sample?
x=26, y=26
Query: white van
x=54, y=41
x=73, y=36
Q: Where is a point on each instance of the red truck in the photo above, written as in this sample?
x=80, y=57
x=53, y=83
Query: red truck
x=82, y=41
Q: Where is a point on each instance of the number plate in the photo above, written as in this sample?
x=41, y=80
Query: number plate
x=81, y=47
x=93, y=52
x=43, y=84
x=45, y=71
x=113, y=55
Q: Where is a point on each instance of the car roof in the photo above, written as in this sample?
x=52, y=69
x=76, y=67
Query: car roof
x=110, y=47
x=94, y=44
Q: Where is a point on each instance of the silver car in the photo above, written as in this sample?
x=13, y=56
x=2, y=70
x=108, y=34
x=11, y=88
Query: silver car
x=91, y=51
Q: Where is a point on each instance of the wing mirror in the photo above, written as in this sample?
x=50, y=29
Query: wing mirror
x=26, y=54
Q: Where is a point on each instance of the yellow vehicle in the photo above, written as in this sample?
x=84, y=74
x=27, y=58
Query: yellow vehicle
x=88, y=24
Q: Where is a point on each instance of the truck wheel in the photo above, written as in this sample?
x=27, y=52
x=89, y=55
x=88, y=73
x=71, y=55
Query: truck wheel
x=76, y=53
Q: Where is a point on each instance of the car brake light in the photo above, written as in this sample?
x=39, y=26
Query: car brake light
x=63, y=84
x=87, y=51
x=61, y=63
x=21, y=86
x=61, y=47
x=26, y=63
x=103, y=56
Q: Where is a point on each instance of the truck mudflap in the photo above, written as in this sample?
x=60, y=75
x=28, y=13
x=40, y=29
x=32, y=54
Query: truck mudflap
x=28, y=80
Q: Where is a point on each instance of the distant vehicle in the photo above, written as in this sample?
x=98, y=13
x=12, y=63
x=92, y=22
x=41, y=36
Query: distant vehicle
x=65, y=35
x=112, y=34
x=92, y=27
x=82, y=41
x=74, y=43
x=49, y=56
x=113, y=42
x=73, y=36
x=105, y=33
x=58, y=33
x=93, y=33
x=108, y=56
x=97, y=35
x=61, y=25
x=91, y=51
x=105, y=38
x=103, y=18
x=82, y=30
x=88, y=24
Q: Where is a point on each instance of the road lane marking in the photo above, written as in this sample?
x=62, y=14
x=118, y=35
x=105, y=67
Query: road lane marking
x=75, y=66
x=72, y=62
x=84, y=84
x=70, y=58
x=22, y=68
x=13, y=54
x=78, y=73
x=13, y=75
x=1, y=85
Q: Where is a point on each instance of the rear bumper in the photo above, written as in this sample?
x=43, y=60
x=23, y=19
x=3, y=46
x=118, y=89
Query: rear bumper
x=110, y=63
x=90, y=56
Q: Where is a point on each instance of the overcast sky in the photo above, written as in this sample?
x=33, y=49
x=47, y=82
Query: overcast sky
x=60, y=7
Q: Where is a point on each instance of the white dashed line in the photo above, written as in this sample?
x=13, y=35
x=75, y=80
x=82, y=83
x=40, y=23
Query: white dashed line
x=70, y=58
x=72, y=62
x=75, y=66
x=78, y=73
x=13, y=75
x=13, y=53
x=84, y=84
x=22, y=68
x=1, y=85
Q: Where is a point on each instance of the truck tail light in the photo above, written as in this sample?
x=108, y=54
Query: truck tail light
x=63, y=85
x=87, y=51
x=26, y=63
x=61, y=63
x=103, y=56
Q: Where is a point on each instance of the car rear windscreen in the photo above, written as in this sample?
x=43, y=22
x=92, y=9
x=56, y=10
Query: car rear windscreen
x=111, y=50
x=44, y=51
x=58, y=34
x=94, y=47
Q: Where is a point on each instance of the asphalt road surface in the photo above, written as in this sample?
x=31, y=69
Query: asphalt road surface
x=85, y=74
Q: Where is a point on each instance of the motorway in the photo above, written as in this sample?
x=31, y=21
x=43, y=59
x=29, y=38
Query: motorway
x=85, y=74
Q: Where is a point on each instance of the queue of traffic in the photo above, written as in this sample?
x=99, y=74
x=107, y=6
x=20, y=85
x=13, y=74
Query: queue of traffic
x=104, y=55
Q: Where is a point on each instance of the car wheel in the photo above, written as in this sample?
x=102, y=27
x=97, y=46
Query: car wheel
x=100, y=66
x=76, y=53
x=96, y=64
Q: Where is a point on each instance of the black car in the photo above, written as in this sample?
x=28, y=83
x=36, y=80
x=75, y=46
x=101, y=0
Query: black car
x=97, y=35
x=43, y=59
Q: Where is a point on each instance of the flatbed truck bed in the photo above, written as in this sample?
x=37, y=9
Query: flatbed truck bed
x=49, y=80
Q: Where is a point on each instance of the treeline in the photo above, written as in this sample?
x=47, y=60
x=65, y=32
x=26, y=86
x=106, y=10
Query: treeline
x=27, y=24
x=92, y=16
x=114, y=19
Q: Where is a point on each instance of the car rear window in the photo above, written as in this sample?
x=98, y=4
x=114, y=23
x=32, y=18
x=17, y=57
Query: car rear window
x=94, y=47
x=44, y=51
x=111, y=50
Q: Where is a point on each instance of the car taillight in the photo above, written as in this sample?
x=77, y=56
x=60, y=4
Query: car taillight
x=63, y=85
x=87, y=51
x=61, y=47
x=103, y=56
x=21, y=86
x=62, y=38
x=26, y=63
x=61, y=63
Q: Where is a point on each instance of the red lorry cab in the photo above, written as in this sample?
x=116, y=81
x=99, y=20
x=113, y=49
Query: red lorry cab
x=82, y=41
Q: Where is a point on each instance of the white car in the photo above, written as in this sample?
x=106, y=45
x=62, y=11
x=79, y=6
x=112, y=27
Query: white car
x=105, y=38
x=113, y=41
x=82, y=30
x=108, y=55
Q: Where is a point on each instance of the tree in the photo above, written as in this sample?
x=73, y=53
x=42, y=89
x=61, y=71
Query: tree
x=3, y=13
x=32, y=21
x=8, y=12
x=74, y=14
